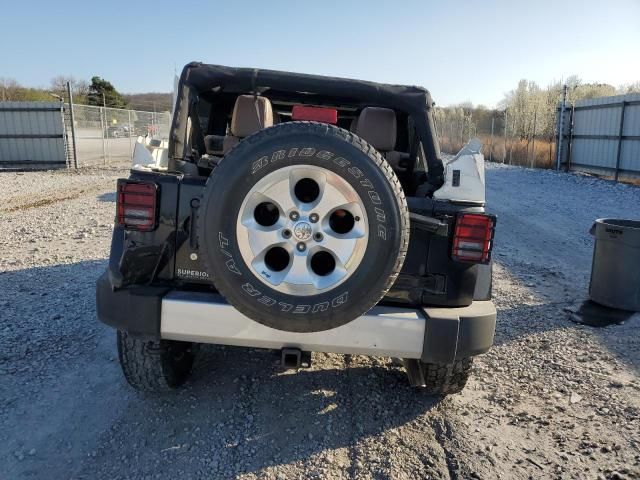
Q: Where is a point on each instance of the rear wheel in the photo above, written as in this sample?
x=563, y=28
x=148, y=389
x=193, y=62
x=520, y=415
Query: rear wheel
x=438, y=378
x=154, y=366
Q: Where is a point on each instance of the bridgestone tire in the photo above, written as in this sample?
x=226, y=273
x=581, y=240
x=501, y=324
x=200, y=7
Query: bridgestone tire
x=316, y=145
x=154, y=366
x=439, y=378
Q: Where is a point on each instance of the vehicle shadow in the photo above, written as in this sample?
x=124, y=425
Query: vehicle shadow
x=250, y=414
x=107, y=197
x=238, y=413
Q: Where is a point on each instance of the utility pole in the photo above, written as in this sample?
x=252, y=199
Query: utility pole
x=561, y=126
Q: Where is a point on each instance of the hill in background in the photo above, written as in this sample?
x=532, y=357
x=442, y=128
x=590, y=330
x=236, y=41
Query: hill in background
x=147, y=101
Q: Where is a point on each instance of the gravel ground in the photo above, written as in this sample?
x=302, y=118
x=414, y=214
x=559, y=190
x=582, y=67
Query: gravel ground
x=552, y=399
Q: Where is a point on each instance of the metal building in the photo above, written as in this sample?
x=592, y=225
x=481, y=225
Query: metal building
x=602, y=136
x=32, y=136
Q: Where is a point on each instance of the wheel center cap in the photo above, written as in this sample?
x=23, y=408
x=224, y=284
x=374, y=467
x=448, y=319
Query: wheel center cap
x=302, y=231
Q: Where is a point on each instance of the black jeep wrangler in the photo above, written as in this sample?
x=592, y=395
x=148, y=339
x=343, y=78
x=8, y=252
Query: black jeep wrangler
x=301, y=213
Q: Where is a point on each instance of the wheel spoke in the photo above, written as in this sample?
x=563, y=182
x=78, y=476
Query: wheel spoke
x=261, y=238
x=282, y=196
x=298, y=273
x=341, y=248
x=329, y=200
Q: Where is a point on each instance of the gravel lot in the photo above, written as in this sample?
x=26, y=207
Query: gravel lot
x=553, y=399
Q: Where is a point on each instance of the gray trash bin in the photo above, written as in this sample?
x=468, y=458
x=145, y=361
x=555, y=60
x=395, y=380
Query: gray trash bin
x=615, y=274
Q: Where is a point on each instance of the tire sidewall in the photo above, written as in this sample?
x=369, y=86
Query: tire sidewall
x=262, y=155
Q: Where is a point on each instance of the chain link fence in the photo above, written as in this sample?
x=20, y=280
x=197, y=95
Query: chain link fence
x=507, y=136
x=106, y=136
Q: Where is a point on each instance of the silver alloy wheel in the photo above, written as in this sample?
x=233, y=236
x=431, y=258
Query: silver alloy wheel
x=302, y=230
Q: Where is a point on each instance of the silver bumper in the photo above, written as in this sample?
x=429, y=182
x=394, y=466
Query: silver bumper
x=203, y=318
x=430, y=334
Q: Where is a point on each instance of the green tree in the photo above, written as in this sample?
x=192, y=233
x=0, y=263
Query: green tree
x=100, y=87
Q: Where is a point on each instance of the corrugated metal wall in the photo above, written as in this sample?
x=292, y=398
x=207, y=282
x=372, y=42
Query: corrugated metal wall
x=32, y=135
x=605, y=136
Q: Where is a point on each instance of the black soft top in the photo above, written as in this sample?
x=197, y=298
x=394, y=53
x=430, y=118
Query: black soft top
x=198, y=78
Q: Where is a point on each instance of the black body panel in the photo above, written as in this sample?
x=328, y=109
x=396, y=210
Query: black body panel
x=456, y=333
x=135, y=310
x=429, y=276
x=188, y=265
x=144, y=258
x=169, y=255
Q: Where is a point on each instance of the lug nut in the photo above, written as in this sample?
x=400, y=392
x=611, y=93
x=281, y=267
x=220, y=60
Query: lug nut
x=294, y=216
x=318, y=237
x=313, y=218
x=301, y=247
x=286, y=233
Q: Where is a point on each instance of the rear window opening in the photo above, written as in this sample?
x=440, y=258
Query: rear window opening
x=221, y=120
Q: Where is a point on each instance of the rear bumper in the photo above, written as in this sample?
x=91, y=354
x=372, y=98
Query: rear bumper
x=431, y=334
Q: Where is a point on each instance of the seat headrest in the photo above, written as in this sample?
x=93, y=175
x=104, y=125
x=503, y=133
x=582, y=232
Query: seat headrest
x=250, y=115
x=378, y=127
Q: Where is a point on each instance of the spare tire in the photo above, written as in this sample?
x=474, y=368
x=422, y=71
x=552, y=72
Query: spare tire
x=303, y=227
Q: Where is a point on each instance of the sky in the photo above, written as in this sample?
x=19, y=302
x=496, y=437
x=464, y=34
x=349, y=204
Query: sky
x=460, y=50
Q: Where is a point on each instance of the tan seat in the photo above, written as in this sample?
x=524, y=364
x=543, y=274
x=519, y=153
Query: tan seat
x=250, y=114
x=378, y=126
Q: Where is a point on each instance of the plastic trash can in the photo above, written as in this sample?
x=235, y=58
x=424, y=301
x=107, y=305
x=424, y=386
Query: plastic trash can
x=615, y=273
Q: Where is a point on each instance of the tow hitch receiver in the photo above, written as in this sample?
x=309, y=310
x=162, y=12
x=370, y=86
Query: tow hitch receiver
x=295, y=358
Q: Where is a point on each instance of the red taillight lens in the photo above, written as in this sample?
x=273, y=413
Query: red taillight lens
x=137, y=205
x=316, y=114
x=473, y=238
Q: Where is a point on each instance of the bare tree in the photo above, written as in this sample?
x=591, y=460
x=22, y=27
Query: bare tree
x=630, y=88
x=79, y=88
x=10, y=89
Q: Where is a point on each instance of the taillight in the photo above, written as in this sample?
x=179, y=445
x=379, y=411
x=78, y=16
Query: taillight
x=316, y=114
x=137, y=205
x=473, y=237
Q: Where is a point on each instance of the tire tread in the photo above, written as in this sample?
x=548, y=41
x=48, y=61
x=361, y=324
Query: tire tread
x=446, y=378
x=147, y=365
